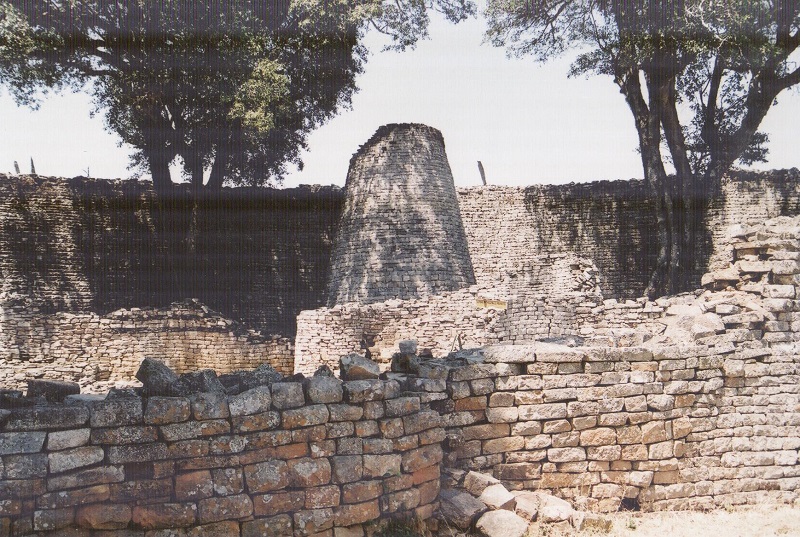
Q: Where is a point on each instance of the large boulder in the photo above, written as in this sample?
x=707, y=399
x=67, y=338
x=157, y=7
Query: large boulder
x=53, y=390
x=553, y=509
x=497, y=497
x=197, y=382
x=459, y=508
x=501, y=524
x=156, y=377
x=355, y=367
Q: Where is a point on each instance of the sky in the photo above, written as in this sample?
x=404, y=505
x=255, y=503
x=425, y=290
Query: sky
x=527, y=122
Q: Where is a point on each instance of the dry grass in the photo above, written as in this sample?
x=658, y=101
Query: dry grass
x=756, y=521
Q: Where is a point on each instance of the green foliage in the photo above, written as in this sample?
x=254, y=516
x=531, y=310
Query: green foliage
x=234, y=87
x=682, y=42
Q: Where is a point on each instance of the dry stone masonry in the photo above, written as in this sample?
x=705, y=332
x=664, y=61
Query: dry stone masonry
x=400, y=234
x=195, y=457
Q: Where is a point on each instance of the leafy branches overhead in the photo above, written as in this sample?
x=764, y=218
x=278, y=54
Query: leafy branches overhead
x=726, y=60
x=231, y=87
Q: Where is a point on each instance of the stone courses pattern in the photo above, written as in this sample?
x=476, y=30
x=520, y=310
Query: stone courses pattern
x=705, y=414
x=270, y=461
x=400, y=233
x=98, y=351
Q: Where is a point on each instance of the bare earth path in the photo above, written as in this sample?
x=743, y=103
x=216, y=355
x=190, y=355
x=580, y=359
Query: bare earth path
x=757, y=521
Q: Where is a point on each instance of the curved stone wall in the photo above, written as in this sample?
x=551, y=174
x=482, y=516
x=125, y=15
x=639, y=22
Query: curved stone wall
x=400, y=234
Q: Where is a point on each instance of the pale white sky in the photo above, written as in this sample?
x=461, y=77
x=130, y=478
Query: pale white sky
x=528, y=123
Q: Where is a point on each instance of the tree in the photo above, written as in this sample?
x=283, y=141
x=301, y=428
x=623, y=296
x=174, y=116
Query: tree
x=721, y=62
x=233, y=88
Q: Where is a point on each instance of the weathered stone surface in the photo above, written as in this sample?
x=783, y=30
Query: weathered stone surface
x=355, y=367
x=323, y=389
x=162, y=410
x=252, y=401
x=267, y=476
x=305, y=417
x=382, y=465
x=276, y=526
x=197, y=382
x=156, y=377
x=553, y=509
x=313, y=521
x=103, y=516
x=70, y=459
x=308, y=472
x=225, y=508
x=58, y=440
x=21, y=442
x=287, y=395
x=279, y=502
x=591, y=522
x=41, y=418
x=194, y=485
x=498, y=497
x=475, y=482
x=209, y=405
x=459, y=508
x=527, y=505
x=53, y=390
x=115, y=412
x=164, y=515
x=501, y=524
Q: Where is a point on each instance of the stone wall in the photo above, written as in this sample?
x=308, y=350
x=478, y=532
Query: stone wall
x=83, y=245
x=400, y=234
x=274, y=460
x=99, y=351
x=611, y=223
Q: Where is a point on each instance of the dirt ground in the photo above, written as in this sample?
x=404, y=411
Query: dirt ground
x=757, y=521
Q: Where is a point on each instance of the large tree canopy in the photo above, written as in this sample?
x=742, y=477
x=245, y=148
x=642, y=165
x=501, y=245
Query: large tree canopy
x=699, y=76
x=231, y=87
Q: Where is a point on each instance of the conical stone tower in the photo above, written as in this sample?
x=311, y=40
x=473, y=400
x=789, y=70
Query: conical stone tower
x=400, y=234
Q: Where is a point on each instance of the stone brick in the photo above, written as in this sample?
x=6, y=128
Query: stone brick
x=566, y=454
x=210, y=406
x=53, y=519
x=116, y=412
x=71, y=498
x=58, y=440
x=349, y=515
x=309, y=472
x=41, y=418
x=598, y=437
x=313, y=521
x=279, y=502
x=164, y=515
x=225, y=508
x=194, y=485
x=402, y=406
x=381, y=465
x=502, y=414
x=163, y=410
x=214, y=529
x=128, y=434
x=344, y=412
x=103, y=516
x=360, y=491
x=25, y=466
x=253, y=401
x=276, y=526
x=321, y=497
x=483, y=432
x=305, y=417
x=140, y=489
x=194, y=429
x=503, y=445
x=521, y=471
x=413, y=460
x=287, y=395
x=227, y=481
x=543, y=411
x=263, y=421
x=460, y=508
x=21, y=442
x=85, y=478
x=267, y=476
x=321, y=389
x=403, y=500
x=347, y=469
x=70, y=459
x=137, y=453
